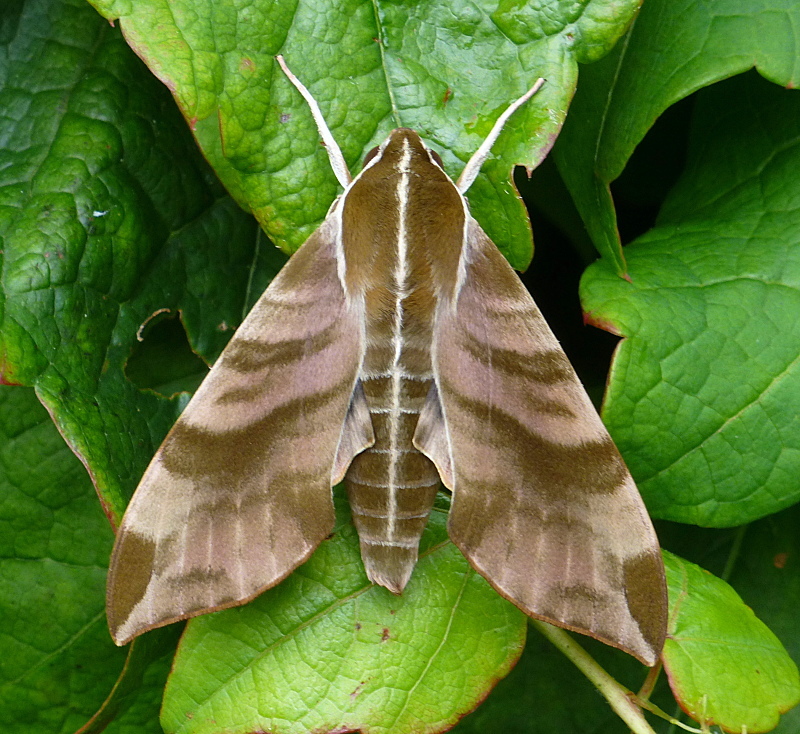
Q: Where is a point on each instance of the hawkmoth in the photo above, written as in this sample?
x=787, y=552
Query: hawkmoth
x=396, y=349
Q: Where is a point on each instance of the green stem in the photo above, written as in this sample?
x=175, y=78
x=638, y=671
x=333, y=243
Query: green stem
x=733, y=556
x=650, y=682
x=620, y=698
x=653, y=709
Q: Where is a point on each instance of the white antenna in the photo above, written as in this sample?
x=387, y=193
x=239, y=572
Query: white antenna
x=473, y=167
x=334, y=153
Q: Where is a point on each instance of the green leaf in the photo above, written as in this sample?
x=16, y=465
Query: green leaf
x=140, y=715
x=724, y=665
x=135, y=699
x=767, y=575
x=674, y=48
x=446, y=69
x=543, y=693
x=107, y=216
x=326, y=650
x=705, y=389
x=57, y=661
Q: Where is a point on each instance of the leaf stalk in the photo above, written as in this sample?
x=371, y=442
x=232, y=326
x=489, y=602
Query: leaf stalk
x=621, y=700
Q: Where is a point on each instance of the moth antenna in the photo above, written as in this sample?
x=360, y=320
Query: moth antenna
x=338, y=163
x=473, y=167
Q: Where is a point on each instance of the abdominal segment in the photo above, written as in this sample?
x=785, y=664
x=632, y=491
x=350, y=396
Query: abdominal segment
x=391, y=485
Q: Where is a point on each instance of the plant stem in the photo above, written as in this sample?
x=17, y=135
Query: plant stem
x=650, y=682
x=619, y=697
x=733, y=556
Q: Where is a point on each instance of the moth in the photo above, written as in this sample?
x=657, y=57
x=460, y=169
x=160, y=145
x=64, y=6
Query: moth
x=397, y=349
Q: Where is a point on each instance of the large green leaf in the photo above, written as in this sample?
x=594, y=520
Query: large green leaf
x=328, y=651
x=56, y=659
x=762, y=563
x=674, y=48
x=767, y=575
x=705, y=391
x=107, y=216
x=446, y=69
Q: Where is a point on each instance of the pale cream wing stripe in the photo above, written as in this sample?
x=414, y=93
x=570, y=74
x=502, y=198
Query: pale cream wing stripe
x=240, y=492
x=543, y=505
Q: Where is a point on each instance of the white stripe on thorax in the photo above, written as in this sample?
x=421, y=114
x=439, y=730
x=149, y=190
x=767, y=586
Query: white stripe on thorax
x=400, y=283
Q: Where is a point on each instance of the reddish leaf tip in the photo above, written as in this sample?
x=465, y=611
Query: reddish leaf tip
x=590, y=319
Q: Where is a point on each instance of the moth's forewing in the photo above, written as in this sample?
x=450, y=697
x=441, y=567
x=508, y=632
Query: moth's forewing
x=239, y=494
x=543, y=505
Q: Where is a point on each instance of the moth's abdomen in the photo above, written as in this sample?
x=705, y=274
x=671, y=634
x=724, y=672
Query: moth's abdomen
x=391, y=485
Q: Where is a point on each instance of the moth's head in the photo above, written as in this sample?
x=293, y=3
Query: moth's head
x=403, y=147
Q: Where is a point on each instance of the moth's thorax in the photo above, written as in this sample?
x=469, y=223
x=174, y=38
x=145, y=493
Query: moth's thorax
x=402, y=207
x=402, y=235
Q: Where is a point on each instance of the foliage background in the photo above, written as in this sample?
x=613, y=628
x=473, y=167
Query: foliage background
x=109, y=215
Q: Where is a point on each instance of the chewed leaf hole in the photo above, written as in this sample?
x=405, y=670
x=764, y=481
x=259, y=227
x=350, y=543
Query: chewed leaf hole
x=162, y=360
